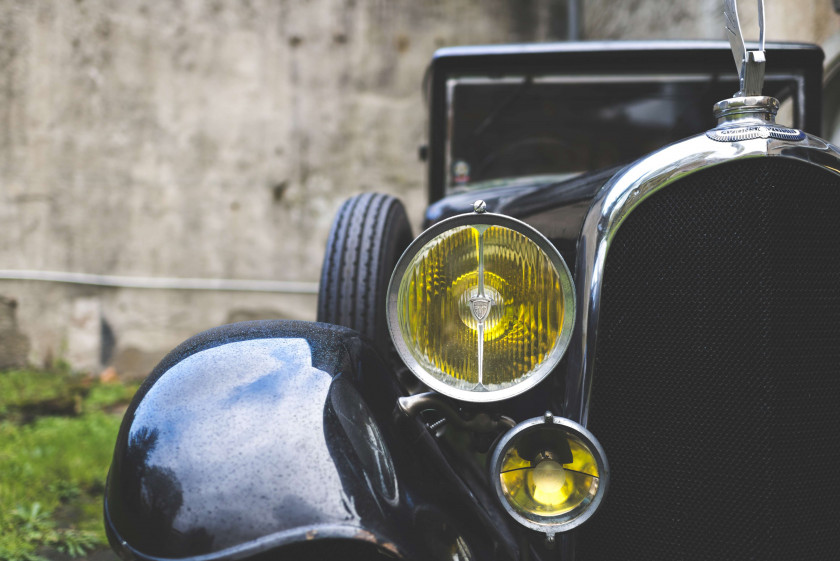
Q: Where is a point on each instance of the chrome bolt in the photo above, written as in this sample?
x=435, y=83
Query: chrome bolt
x=480, y=206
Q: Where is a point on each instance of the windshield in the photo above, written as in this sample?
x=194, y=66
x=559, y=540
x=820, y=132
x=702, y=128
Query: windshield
x=514, y=126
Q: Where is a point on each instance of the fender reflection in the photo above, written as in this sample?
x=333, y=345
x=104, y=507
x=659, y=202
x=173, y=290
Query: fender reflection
x=244, y=440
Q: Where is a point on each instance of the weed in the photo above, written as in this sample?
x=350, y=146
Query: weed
x=53, y=461
x=34, y=527
x=65, y=491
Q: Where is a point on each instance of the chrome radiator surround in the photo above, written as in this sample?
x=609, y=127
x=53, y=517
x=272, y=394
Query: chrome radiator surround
x=624, y=193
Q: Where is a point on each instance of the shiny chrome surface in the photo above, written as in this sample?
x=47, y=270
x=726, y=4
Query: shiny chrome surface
x=750, y=64
x=751, y=132
x=565, y=522
x=746, y=110
x=627, y=190
x=747, y=118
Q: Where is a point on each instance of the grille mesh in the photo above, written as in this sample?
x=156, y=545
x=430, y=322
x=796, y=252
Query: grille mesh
x=716, y=391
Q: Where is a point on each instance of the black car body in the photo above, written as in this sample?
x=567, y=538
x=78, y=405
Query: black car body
x=705, y=353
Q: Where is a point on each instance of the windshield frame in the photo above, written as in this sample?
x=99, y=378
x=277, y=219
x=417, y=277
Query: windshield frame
x=605, y=63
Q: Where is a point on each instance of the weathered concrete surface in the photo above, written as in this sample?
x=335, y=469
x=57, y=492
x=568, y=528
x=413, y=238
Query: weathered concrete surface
x=810, y=21
x=211, y=139
x=131, y=329
x=14, y=345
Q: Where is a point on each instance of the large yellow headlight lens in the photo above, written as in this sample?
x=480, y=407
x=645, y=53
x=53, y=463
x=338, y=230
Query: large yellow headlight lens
x=550, y=473
x=481, y=307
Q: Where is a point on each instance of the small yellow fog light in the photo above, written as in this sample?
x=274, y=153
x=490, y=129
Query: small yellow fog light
x=481, y=307
x=550, y=474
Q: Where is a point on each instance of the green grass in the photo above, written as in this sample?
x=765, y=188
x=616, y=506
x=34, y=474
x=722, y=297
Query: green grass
x=57, y=434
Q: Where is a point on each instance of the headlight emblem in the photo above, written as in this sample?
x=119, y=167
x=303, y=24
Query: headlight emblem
x=481, y=307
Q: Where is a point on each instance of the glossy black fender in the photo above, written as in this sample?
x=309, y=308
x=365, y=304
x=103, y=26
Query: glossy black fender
x=254, y=439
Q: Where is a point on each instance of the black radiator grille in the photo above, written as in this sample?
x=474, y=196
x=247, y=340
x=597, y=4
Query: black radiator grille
x=717, y=372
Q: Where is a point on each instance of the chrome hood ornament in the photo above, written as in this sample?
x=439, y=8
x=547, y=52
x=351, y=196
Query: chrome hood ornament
x=748, y=114
x=750, y=64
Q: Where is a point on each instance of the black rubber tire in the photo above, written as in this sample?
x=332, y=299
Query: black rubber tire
x=367, y=237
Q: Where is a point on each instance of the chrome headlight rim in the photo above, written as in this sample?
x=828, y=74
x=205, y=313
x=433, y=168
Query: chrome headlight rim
x=551, y=524
x=568, y=295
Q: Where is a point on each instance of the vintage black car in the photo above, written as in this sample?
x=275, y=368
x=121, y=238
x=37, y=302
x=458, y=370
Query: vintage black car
x=609, y=343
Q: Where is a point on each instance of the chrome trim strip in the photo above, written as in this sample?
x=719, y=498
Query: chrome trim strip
x=619, y=197
x=480, y=321
x=450, y=117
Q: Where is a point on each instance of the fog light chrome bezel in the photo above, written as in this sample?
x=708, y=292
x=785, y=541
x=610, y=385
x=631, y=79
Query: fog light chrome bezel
x=551, y=525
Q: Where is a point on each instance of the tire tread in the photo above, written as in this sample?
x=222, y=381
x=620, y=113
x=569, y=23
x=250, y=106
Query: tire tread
x=369, y=233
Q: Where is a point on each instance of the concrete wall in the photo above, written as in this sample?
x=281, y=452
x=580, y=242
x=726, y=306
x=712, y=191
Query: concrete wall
x=217, y=139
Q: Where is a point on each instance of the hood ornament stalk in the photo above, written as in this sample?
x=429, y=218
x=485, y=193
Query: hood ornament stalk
x=748, y=114
x=750, y=64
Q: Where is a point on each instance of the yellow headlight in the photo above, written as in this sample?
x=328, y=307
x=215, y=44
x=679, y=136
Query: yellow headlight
x=550, y=473
x=481, y=307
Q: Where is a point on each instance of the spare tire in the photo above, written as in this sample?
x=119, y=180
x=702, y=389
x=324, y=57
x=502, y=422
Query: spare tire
x=367, y=237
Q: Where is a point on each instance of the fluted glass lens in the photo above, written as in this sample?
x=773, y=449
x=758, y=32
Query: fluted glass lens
x=541, y=486
x=480, y=307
